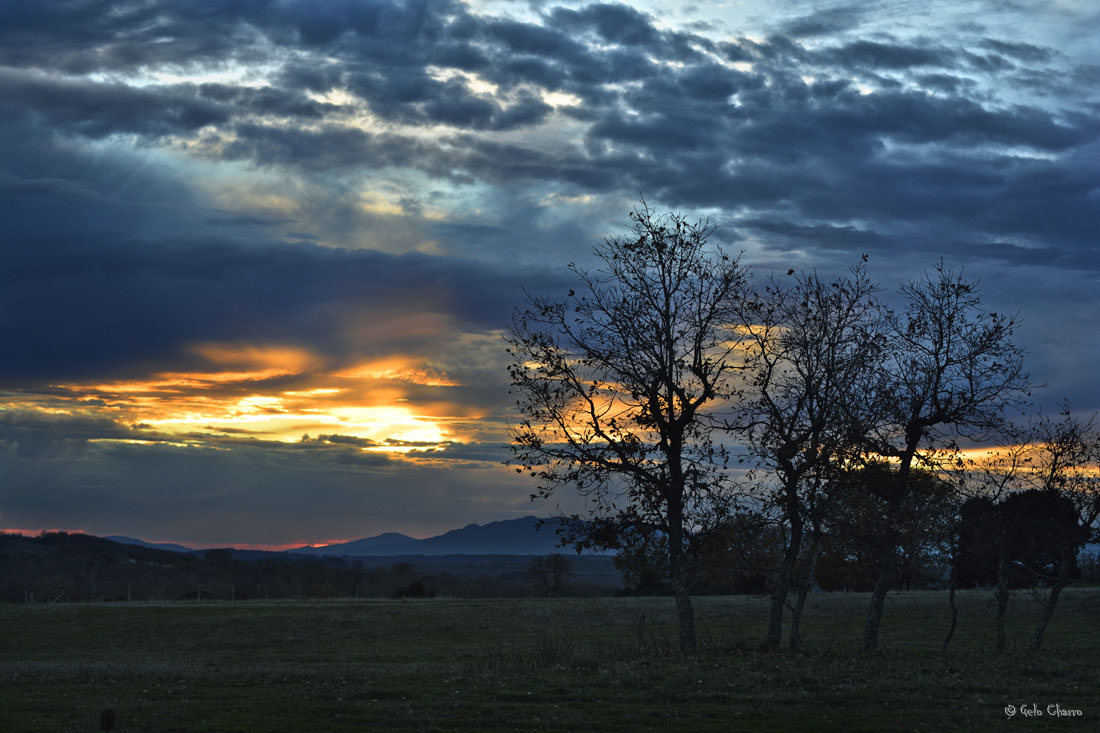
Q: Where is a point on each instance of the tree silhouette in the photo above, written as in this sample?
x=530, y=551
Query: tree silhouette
x=1066, y=457
x=856, y=523
x=974, y=534
x=617, y=384
x=811, y=345
x=1034, y=503
x=550, y=574
x=951, y=370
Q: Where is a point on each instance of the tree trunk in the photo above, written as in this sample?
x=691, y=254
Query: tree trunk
x=874, y=612
x=685, y=614
x=888, y=553
x=1052, y=600
x=783, y=583
x=803, y=587
x=779, y=602
x=1002, y=595
x=1048, y=613
x=952, y=586
x=681, y=584
x=796, y=616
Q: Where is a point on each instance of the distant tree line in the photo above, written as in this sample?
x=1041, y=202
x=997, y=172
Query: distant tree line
x=59, y=567
x=794, y=432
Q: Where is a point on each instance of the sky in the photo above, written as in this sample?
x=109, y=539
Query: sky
x=258, y=256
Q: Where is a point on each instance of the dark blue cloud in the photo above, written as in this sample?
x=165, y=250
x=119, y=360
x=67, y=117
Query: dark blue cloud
x=826, y=22
x=128, y=279
x=613, y=23
x=660, y=115
x=73, y=309
x=97, y=110
x=882, y=55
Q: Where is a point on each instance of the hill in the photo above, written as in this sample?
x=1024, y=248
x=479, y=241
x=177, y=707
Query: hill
x=169, y=546
x=506, y=537
x=388, y=543
x=60, y=567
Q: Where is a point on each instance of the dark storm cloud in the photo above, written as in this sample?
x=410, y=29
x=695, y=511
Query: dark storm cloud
x=954, y=85
x=383, y=51
x=790, y=236
x=267, y=101
x=70, y=311
x=415, y=98
x=613, y=23
x=337, y=148
x=1025, y=52
x=660, y=115
x=341, y=440
x=825, y=22
x=880, y=55
x=536, y=40
x=131, y=277
x=97, y=110
x=79, y=37
x=35, y=435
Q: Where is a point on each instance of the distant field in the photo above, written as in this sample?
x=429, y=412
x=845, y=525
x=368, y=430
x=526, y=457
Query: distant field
x=565, y=664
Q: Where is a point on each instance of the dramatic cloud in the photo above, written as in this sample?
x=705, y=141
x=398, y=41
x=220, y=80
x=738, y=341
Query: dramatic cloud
x=228, y=225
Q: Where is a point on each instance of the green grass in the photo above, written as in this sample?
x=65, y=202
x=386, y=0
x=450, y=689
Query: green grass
x=568, y=664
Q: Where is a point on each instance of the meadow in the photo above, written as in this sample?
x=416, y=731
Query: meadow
x=541, y=664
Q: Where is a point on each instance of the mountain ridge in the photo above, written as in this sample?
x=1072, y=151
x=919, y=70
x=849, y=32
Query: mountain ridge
x=169, y=546
x=520, y=536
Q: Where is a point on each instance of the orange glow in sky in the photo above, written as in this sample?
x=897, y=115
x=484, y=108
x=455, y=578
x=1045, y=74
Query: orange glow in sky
x=276, y=394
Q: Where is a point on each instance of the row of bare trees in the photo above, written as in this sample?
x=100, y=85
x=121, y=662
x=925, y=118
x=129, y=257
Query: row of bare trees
x=668, y=362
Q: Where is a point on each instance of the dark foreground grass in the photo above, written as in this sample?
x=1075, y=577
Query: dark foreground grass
x=585, y=664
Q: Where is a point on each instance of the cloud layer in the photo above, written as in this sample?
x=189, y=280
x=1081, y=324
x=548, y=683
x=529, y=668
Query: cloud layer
x=195, y=189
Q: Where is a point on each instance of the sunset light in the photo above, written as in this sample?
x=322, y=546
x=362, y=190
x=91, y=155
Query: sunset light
x=549, y=364
x=370, y=403
x=271, y=250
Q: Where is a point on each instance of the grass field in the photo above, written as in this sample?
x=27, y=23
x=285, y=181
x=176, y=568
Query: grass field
x=568, y=664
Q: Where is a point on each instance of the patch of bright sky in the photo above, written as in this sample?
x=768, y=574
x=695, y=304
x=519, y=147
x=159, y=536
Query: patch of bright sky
x=559, y=134
x=525, y=11
x=261, y=193
x=225, y=185
x=237, y=396
x=286, y=199
x=476, y=84
x=560, y=99
x=339, y=97
x=231, y=73
x=264, y=417
x=281, y=417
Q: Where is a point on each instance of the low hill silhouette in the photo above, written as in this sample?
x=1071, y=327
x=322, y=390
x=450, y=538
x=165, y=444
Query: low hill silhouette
x=521, y=536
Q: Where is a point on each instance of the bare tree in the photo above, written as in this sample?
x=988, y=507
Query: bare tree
x=977, y=532
x=617, y=385
x=550, y=574
x=1032, y=504
x=810, y=345
x=951, y=370
x=1066, y=456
